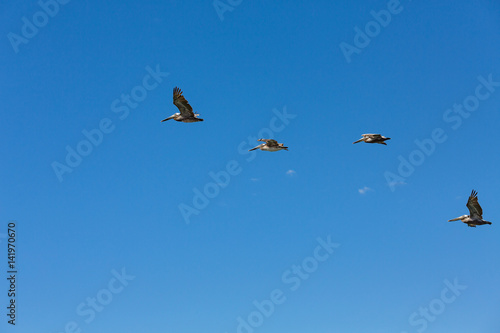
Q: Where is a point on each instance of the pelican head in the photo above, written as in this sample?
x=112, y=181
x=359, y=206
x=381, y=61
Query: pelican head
x=460, y=218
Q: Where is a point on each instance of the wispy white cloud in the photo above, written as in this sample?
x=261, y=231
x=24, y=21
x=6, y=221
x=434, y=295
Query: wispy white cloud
x=291, y=173
x=254, y=179
x=364, y=190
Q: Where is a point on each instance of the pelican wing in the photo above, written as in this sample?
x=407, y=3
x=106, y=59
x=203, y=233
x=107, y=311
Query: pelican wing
x=372, y=136
x=270, y=142
x=182, y=104
x=256, y=147
x=475, y=210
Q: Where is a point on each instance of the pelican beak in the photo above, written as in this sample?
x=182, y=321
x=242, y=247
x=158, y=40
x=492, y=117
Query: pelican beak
x=167, y=118
x=456, y=219
x=357, y=141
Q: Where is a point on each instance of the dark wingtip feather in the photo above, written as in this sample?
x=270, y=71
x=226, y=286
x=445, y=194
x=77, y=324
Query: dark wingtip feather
x=177, y=91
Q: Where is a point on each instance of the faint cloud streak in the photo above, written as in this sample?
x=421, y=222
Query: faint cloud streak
x=364, y=190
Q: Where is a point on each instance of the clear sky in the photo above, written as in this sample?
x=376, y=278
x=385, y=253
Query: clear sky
x=326, y=237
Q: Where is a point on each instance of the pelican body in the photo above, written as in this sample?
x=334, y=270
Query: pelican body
x=270, y=145
x=186, y=114
x=373, y=138
x=475, y=216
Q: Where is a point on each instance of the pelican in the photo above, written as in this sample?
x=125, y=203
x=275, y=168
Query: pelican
x=269, y=145
x=373, y=138
x=186, y=114
x=475, y=216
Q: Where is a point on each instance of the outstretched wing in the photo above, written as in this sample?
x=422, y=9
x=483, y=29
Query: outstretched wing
x=475, y=210
x=256, y=147
x=182, y=104
x=372, y=136
x=270, y=142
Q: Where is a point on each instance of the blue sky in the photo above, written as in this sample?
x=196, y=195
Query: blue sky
x=336, y=237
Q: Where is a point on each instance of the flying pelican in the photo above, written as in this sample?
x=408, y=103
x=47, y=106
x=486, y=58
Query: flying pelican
x=186, y=114
x=269, y=145
x=373, y=138
x=475, y=216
